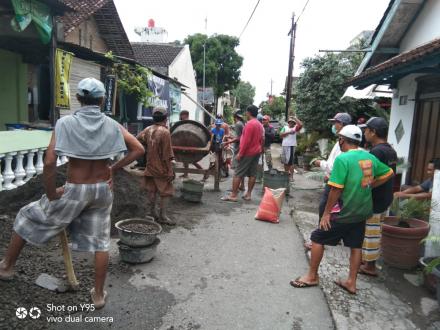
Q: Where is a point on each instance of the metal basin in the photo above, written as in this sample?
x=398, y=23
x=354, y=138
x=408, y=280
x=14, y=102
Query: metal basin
x=134, y=238
x=190, y=141
x=138, y=255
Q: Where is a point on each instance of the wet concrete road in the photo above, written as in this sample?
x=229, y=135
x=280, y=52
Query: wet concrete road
x=227, y=272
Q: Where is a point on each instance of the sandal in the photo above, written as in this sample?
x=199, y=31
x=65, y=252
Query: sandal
x=229, y=199
x=99, y=304
x=301, y=284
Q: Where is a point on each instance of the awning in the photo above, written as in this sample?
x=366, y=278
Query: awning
x=370, y=92
x=423, y=59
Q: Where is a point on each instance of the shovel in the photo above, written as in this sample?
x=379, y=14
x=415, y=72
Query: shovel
x=54, y=284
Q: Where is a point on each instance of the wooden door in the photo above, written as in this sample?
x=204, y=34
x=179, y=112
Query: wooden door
x=426, y=144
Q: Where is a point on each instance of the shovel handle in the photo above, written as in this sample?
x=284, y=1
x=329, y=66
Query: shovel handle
x=73, y=282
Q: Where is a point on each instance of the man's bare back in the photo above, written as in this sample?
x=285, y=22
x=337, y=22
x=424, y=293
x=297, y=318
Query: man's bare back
x=81, y=171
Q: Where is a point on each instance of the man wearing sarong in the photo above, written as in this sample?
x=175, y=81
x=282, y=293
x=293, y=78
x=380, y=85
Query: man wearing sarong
x=159, y=173
x=83, y=204
x=376, y=132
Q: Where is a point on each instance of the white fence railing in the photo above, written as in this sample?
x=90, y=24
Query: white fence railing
x=11, y=177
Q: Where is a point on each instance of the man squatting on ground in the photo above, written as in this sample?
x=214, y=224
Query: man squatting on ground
x=251, y=146
x=288, y=134
x=355, y=172
x=83, y=204
x=376, y=132
x=159, y=173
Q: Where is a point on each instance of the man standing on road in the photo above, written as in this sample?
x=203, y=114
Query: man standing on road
x=376, y=132
x=184, y=115
x=83, y=204
x=355, y=172
x=288, y=134
x=159, y=173
x=251, y=143
x=269, y=136
x=238, y=131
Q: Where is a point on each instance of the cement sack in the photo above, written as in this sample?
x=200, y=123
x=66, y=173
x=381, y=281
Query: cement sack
x=270, y=206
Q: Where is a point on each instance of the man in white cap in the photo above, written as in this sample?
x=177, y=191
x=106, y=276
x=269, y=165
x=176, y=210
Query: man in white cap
x=83, y=204
x=340, y=120
x=355, y=173
x=159, y=173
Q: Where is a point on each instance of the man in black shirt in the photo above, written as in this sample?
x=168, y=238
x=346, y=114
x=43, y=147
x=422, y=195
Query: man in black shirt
x=376, y=131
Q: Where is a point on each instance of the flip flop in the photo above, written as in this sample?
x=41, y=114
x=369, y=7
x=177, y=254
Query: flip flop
x=101, y=304
x=302, y=285
x=342, y=286
x=229, y=199
x=364, y=272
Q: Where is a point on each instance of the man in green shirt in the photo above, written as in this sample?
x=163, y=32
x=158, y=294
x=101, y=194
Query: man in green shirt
x=355, y=172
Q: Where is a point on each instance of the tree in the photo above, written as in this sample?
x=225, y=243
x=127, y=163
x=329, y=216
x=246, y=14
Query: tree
x=321, y=85
x=223, y=63
x=274, y=108
x=244, y=93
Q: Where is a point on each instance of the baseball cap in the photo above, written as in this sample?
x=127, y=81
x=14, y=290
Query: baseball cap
x=375, y=123
x=91, y=87
x=219, y=122
x=161, y=110
x=351, y=132
x=260, y=117
x=266, y=117
x=342, y=117
x=291, y=119
x=238, y=113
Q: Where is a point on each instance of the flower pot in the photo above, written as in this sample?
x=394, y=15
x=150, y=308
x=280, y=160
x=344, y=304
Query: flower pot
x=401, y=246
x=430, y=281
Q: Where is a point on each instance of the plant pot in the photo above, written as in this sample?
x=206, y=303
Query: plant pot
x=401, y=246
x=134, y=238
x=430, y=281
x=138, y=255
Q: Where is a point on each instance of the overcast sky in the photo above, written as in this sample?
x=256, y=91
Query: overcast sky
x=325, y=24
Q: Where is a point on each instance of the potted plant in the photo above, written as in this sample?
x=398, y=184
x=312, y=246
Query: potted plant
x=402, y=234
x=307, y=149
x=432, y=268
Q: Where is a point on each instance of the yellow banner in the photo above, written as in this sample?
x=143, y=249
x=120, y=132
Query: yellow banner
x=63, y=61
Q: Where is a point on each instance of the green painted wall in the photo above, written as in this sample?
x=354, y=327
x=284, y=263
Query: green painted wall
x=13, y=89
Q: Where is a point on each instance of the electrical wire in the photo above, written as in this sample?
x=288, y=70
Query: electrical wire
x=247, y=23
x=302, y=12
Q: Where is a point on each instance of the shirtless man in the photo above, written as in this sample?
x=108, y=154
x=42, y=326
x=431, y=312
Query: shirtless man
x=89, y=139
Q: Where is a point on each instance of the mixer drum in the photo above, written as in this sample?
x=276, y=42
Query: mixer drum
x=190, y=134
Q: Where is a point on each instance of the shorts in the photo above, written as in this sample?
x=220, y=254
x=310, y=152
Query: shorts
x=247, y=166
x=163, y=186
x=287, y=155
x=84, y=210
x=352, y=234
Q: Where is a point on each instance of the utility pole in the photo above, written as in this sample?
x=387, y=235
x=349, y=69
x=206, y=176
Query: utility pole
x=292, y=34
x=271, y=86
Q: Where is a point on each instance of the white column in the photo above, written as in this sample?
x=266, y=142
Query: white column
x=1, y=176
x=64, y=159
x=30, y=168
x=59, y=161
x=39, y=166
x=8, y=175
x=19, y=170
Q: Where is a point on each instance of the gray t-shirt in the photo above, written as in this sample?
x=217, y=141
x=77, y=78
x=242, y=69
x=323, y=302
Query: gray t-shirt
x=427, y=185
x=238, y=129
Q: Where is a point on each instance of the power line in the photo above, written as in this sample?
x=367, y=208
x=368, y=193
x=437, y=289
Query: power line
x=304, y=8
x=247, y=23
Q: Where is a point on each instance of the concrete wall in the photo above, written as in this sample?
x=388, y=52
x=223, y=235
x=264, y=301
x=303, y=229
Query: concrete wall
x=425, y=28
x=182, y=70
x=89, y=36
x=405, y=113
x=13, y=89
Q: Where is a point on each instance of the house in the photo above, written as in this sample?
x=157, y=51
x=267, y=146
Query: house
x=404, y=53
x=91, y=30
x=175, y=62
